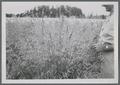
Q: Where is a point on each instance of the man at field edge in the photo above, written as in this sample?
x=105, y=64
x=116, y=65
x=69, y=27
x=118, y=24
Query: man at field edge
x=105, y=44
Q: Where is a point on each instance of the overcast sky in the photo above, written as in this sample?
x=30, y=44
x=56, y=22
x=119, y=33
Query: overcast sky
x=87, y=7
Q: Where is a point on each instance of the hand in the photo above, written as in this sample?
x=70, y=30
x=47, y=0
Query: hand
x=98, y=46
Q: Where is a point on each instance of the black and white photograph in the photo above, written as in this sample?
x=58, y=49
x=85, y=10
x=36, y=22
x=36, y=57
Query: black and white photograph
x=59, y=42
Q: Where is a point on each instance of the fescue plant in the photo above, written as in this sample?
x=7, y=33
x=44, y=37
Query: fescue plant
x=52, y=48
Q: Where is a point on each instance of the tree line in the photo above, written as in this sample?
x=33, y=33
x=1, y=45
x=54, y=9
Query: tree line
x=46, y=11
x=54, y=12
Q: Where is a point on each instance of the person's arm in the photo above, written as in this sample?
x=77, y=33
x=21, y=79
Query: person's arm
x=105, y=42
x=103, y=47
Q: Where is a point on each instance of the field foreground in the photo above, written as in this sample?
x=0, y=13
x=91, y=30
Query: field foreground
x=52, y=48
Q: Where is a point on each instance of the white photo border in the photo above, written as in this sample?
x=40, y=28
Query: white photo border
x=60, y=81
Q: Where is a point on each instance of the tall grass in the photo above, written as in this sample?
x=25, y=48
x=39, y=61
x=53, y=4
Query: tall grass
x=47, y=48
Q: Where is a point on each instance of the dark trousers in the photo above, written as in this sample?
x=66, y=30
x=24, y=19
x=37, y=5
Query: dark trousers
x=108, y=65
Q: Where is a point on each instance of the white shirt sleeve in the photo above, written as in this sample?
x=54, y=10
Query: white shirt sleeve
x=106, y=34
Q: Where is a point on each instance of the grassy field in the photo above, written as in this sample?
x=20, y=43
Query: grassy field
x=52, y=48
